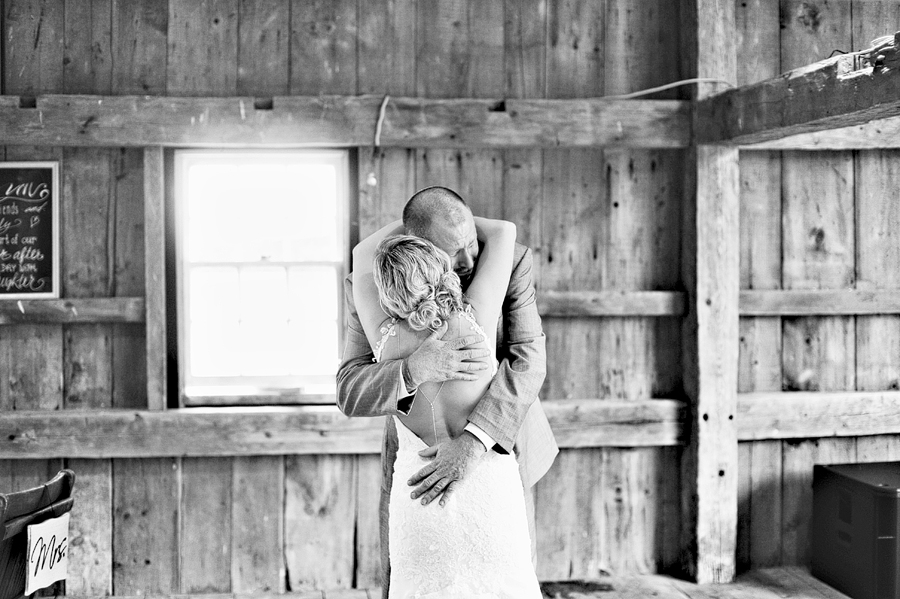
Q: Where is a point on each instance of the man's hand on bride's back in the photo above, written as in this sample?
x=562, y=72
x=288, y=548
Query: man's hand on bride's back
x=451, y=461
x=437, y=360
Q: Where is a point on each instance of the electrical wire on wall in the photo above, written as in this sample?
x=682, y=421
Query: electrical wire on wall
x=371, y=179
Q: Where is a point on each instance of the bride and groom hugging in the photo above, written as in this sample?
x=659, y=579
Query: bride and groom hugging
x=464, y=424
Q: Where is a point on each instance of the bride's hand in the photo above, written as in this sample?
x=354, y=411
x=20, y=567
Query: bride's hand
x=453, y=460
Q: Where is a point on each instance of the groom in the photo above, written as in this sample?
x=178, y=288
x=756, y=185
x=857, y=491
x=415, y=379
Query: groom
x=508, y=418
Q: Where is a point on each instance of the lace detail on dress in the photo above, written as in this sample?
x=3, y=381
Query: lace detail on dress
x=475, y=547
x=387, y=330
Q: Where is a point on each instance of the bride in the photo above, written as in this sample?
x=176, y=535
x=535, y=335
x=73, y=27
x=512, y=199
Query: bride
x=477, y=544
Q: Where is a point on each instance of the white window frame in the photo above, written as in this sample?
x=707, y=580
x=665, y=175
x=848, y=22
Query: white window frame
x=255, y=390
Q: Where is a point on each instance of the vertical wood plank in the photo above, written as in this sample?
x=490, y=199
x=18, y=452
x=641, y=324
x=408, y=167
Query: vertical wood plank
x=145, y=526
x=368, y=537
x=576, y=48
x=569, y=516
x=87, y=64
x=323, y=47
x=766, y=504
x=525, y=46
x=129, y=343
x=386, y=49
x=320, y=504
x=32, y=367
x=878, y=247
x=759, y=366
x=523, y=190
x=710, y=271
x=394, y=170
x=88, y=233
x=33, y=47
x=574, y=235
x=818, y=249
x=205, y=515
x=257, y=524
x=386, y=65
x=202, y=48
x=711, y=338
x=154, y=261
x=263, y=55
x=90, y=529
x=744, y=498
x=140, y=39
x=799, y=458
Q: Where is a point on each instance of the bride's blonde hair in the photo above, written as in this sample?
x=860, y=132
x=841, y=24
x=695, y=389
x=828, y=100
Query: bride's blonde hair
x=416, y=282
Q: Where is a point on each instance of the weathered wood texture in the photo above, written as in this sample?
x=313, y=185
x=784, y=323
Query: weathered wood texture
x=343, y=120
x=550, y=303
x=828, y=215
x=155, y=265
x=710, y=259
x=602, y=224
x=576, y=423
x=759, y=364
x=843, y=91
x=770, y=583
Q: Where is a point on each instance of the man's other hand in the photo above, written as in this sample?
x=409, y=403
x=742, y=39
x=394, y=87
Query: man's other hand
x=437, y=360
x=452, y=461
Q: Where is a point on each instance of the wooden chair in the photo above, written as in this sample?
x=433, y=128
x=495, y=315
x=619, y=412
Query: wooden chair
x=17, y=511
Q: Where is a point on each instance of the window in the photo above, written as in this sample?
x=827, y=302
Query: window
x=261, y=241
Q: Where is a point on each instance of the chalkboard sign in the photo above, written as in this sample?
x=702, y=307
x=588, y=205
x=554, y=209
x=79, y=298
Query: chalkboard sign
x=29, y=230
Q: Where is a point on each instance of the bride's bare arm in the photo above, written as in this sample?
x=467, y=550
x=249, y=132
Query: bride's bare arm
x=365, y=293
x=488, y=286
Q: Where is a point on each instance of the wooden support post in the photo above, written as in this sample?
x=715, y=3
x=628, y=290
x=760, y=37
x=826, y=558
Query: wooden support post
x=155, y=265
x=711, y=334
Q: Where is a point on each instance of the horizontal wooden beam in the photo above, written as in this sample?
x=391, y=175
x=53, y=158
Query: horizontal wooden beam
x=840, y=92
x=611, y=303
x=576, y=423
x=317, y=121
x=829, y=302
x=297, y=430
x=67, y=311
x=550, y=304
x=882, y=134
x=812, y=414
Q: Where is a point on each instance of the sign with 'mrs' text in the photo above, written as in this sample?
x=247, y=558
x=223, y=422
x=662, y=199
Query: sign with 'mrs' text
x=29, y=230
x=47, y=559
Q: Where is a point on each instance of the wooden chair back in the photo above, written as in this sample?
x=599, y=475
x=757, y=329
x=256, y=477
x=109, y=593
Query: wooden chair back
x=17, y=511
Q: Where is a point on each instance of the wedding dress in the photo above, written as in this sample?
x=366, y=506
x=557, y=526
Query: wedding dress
x=476, y=546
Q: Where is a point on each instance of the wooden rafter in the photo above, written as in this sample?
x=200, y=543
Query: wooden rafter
x=298, y=121
x=844, y=92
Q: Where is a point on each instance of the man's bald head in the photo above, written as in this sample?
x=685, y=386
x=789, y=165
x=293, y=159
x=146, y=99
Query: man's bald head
x=433, y=205
x=441, y=216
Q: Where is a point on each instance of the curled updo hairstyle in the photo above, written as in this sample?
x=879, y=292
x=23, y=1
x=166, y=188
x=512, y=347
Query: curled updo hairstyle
x=416, y=281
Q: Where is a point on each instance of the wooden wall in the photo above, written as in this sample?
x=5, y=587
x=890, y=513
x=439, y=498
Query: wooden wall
x=596, y=220
x=811, y=220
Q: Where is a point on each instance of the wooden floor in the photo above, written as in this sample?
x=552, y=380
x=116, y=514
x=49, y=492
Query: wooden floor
x=775, y=583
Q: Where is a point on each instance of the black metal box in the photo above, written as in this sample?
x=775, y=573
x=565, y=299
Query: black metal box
x=855, y=528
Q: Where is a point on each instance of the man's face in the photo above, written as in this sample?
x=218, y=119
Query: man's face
x=460, y=241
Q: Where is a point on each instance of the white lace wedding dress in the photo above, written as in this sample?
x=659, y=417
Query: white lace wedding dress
x=476, y=546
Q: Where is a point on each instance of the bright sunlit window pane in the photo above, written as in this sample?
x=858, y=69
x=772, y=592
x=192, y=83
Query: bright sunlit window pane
x=261, y=248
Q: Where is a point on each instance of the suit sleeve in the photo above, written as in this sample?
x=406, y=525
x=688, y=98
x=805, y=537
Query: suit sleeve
x=523, y=361
x=366, y=387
